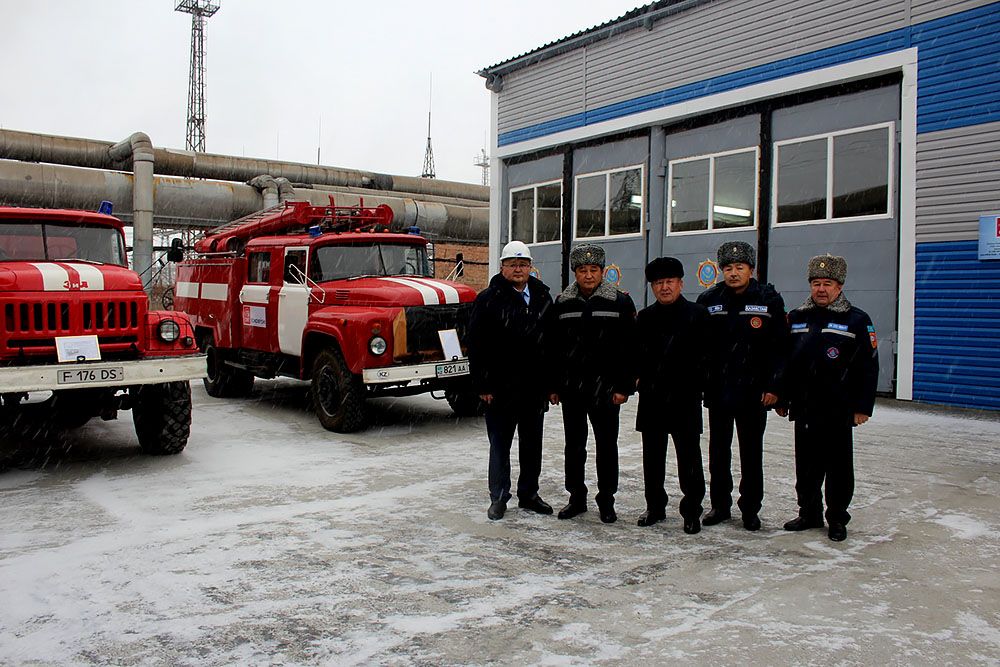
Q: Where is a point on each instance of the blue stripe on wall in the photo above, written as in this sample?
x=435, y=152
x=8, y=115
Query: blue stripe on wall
x=957, y=82
x=956, y=353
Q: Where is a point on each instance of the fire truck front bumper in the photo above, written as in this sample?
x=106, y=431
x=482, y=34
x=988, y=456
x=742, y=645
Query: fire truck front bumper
x=16, y=379
x=437, y=370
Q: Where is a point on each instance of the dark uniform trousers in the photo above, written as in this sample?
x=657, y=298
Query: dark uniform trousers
x=750, y=422
x=503, y=417
x=604, y=420
x=690, y=473
x=824, y=450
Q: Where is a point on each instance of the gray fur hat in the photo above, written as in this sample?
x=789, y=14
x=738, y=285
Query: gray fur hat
x=588, y=253
x=828, y=266
x=737, y=251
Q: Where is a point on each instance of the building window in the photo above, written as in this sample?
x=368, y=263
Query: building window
x=835, y=176
x=712, y=192
x=536, y=213
x=609, y=203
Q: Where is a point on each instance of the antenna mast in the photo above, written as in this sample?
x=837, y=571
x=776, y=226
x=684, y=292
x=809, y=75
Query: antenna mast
x=429, y=153
x=199, y=11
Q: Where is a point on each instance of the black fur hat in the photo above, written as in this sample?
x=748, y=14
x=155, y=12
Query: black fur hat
x=664, y=267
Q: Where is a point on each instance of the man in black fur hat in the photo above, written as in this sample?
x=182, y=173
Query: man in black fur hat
x=589, y=345
x=672, y=343
x=828, y=381
x=747, y=323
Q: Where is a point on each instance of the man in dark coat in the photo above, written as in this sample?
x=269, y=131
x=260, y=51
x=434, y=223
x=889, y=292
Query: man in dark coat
x=747, y=323
x=828, y=381
x=589, y=344
x=507, y=367
x=672, y=342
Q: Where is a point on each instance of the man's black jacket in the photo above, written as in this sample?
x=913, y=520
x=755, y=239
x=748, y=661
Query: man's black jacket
x=505, y=340
x=745, y=344
x=671, y=367
x=590, y=344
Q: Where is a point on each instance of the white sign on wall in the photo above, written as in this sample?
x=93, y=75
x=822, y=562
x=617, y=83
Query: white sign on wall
x=989, y=237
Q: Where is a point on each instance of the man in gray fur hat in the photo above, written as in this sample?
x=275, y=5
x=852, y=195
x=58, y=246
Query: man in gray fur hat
x=828, y=384
x=589, y=345
x=747, y=333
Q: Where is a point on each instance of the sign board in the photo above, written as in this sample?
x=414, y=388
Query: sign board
x=989, y=237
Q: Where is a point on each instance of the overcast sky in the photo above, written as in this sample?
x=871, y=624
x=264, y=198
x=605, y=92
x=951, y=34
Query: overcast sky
x=276, y=70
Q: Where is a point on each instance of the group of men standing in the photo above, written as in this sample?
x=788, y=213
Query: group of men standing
x=734, y=349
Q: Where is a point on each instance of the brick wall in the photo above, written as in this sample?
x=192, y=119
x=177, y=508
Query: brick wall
x=476, y=274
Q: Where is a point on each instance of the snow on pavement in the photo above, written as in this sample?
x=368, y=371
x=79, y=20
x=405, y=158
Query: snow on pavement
x=272, y=541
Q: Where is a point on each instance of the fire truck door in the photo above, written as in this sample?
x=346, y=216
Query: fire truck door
x=293, y=302
x=255, y=299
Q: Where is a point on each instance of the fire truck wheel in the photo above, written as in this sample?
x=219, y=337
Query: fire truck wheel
x=337, y=395
x=222, y=381
x=162, y=417
x=464, y=403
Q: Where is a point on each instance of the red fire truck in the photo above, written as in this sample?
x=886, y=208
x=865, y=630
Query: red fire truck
x=326, y=294
x=78, y=339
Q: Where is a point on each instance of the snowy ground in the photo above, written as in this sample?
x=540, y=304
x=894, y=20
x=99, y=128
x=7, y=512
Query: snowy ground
x=271, y=541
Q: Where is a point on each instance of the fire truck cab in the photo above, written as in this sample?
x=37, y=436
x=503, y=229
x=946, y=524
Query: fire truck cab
x=326, y=294
x=77, y=337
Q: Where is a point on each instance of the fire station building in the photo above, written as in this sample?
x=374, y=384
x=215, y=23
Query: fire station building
x=864, y=129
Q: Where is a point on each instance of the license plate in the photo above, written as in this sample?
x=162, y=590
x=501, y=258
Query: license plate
x=452, y=369
x=90, y=375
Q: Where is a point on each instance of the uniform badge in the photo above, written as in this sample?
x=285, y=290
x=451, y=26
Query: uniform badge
x=872, y=337
x=613, y=274
x=756, y=322
x=708, y=273
x=832, y=352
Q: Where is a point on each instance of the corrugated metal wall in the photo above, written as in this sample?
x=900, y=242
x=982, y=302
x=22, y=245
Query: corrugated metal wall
x=957, y=355
x=680, y=59
x=958, y=179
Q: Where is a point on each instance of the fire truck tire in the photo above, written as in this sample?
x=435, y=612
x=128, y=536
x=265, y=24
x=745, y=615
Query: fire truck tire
x=162, y=417
x=338, y=396
x=464, y=403
x=222, y=381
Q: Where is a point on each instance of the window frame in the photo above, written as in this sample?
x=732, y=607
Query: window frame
x=711, y=157
x=534, y=212
x=830, y=136
x=607, y=203
x=251, y=266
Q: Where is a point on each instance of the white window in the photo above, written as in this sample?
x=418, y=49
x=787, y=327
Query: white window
x=835, y=176
x=713, y=192
x=609, y=203
x=536, y=213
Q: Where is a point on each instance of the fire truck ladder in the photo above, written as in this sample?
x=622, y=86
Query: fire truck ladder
x=246, y=220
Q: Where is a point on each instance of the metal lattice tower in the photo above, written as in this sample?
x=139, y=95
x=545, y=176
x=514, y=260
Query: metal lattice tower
x=483, y=162
x=428, y=171
x=199, y=11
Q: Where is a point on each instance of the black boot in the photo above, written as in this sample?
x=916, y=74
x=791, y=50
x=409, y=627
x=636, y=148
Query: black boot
x=838, y=532
x=803, y=523
x=608, y=514
x=751, y=522
x=536, y=505
x=649, y=518
x=496, y=510
x=692, y=526
x=715, y=516
x=571, y=510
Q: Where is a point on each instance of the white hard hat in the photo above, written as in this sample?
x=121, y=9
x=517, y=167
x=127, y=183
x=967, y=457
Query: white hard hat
x=515, y=249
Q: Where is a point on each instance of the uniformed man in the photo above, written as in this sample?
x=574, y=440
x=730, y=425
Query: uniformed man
x=590, y=345
x=747, y=323
x=508, y=372
x=673, y=335
x=828, y=380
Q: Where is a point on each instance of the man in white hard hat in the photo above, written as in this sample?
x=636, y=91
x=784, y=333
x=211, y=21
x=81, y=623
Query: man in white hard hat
x=506, y=363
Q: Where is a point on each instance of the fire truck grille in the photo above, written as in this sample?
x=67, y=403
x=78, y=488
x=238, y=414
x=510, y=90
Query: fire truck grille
x=424, y=322
x=58, y=318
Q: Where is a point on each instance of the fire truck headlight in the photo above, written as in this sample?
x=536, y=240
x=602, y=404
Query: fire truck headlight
x=169, y=331
x=377, y=345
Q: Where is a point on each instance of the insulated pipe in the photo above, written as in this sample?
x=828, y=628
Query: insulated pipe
x=456, y=201
x=267, y=188
x=140, y=149
x=78, y=152
x=285, y=189
x=201, y=204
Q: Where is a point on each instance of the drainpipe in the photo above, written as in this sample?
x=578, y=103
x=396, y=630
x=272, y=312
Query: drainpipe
x=285, y=189
x=140, y=149
x=268, y=189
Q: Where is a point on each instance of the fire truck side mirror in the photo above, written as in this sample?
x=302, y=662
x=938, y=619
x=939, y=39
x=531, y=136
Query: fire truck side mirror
x=176, y=252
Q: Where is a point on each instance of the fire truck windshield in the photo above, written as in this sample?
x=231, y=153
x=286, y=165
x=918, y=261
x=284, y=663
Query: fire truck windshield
x=32, y=241
x=337, y=262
